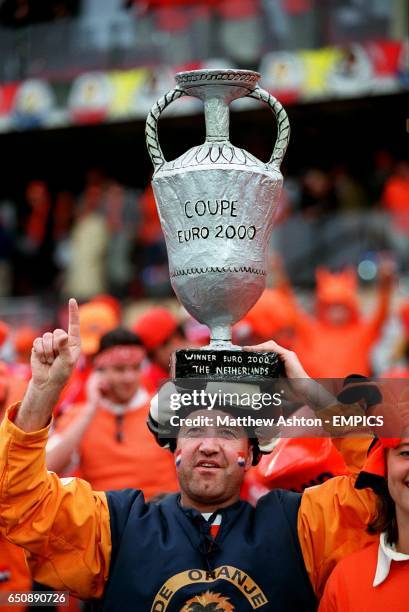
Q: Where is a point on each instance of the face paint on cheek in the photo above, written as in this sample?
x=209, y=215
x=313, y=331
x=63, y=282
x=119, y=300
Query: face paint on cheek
x=241, y=459
x=178, y=458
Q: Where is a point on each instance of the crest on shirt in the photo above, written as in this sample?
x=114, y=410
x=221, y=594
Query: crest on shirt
x=209, y=602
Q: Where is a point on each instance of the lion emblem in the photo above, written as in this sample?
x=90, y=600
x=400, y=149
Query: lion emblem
x=208, y=602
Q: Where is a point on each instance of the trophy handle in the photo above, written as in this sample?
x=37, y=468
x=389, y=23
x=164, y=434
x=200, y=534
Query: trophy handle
x=151, y=128
x=283, y=125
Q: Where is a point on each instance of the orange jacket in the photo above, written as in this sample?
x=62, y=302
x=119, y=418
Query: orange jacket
x=14, y=573
x=65, y=524
x=349, y=588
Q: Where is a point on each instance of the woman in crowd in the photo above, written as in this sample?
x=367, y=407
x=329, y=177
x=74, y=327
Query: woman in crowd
x=377, y=577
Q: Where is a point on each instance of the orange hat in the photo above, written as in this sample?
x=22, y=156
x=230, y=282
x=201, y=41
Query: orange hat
x=297, y=463
x=24, y=338
x=373, y=473
x=272, y=312
x=396, y=426
x=95, y=320
x=4, y=331
x=338, y=288
x=111, y=301
x=155, y=326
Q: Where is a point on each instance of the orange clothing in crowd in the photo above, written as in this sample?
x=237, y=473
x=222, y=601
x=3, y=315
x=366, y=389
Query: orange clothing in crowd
x=350, y=586
x=328, y=350
x=68, y=523
x=272, y=316
x=135, y=460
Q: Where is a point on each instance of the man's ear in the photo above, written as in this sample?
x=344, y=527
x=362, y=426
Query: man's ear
x=249, y=458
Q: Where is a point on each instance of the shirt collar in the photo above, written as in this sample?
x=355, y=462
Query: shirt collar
x=139, y=400
x=386, y=554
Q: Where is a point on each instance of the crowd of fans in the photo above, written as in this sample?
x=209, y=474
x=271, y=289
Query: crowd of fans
x=99, y=430
x=108, y=238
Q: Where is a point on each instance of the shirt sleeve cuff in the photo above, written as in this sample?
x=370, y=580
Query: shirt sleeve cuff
x=18, y=434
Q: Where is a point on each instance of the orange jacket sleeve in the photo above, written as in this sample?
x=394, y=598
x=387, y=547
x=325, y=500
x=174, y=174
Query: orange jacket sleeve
x=354, y=451
x=63, y=524
x=332, y=523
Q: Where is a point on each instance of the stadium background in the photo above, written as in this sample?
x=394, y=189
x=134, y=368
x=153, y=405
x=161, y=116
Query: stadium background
x=79, y=76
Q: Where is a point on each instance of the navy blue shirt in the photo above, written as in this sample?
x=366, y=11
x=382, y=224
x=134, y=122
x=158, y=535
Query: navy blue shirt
x=164, y=558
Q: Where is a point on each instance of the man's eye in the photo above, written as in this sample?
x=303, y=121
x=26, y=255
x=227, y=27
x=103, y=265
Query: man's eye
x=194, y=432
x=227, y=433
x=404, y=453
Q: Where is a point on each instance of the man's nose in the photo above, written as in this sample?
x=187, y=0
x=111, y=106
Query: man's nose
x=209, y=446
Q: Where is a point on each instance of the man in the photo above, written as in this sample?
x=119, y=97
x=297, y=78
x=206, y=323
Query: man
x=166, y=556
x=105, y=438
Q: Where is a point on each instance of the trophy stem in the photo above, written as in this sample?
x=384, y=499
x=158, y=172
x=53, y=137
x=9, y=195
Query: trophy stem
x=217, y=119
x=220, y=337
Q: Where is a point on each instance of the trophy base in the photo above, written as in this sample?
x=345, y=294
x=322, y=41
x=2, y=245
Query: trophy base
x=225, y=364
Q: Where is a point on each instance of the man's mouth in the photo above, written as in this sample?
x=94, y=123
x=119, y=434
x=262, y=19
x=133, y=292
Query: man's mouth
x=207, y=464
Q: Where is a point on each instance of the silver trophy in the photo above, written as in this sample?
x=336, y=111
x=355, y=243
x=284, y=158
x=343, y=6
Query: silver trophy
x=217, y=204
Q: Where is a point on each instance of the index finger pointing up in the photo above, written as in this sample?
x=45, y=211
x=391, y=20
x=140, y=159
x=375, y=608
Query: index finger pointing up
x=73, y=320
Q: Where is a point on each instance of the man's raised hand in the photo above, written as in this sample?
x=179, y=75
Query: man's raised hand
x=55, y=354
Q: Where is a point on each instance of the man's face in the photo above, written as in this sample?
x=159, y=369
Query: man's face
x=119, y=383
x=398, y=477
x=209, y=472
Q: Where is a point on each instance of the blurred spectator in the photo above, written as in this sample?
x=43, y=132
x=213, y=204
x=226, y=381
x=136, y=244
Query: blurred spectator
x=120, y=207
x=395, y=199
x=161, y=335
x=63, y=216
x=107, y=435
x=86, y=272
x=34, y=267
x=272, y=317
x=151, y=258
x=318, y=196
x=382, y=169
x=350, y=194
x=399, y=360
x=111, y=302
x=338, y=340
